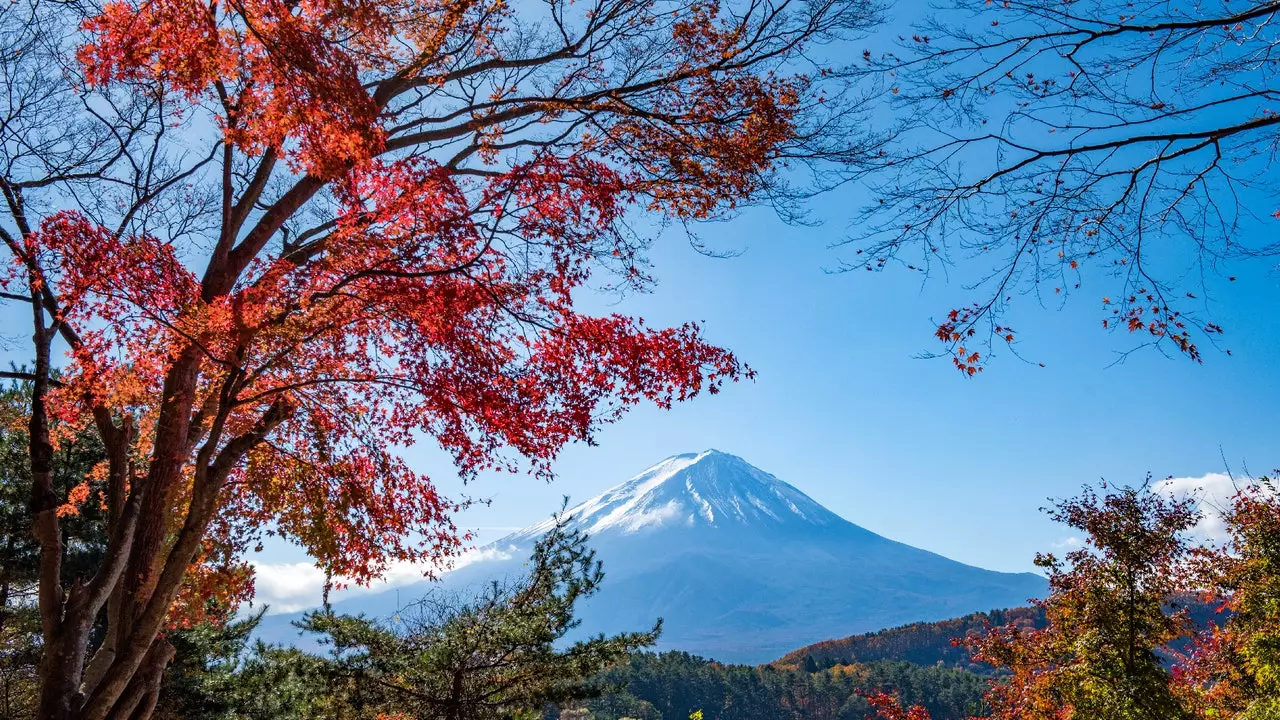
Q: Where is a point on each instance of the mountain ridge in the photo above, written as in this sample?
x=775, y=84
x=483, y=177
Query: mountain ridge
x=920, y=643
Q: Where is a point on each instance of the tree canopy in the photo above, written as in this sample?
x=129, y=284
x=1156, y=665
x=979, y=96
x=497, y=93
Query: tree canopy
x=1120, y=151
x=1121, y=641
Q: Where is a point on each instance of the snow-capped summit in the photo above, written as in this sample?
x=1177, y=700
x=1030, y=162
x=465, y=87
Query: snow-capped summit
x=710, y=489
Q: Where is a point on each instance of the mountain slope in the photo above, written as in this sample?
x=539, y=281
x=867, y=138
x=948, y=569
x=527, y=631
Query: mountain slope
x=929, y=644
x=741, y=565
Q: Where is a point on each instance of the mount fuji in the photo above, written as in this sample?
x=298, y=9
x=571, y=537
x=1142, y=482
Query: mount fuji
x=741, y=566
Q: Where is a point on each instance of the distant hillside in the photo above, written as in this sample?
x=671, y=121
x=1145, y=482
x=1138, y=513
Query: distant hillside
x=923, y=643
x=930, y=643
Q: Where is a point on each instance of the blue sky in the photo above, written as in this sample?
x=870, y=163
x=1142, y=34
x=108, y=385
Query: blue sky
x=843, y=409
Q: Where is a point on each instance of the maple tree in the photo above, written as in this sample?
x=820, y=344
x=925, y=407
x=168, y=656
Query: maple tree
x=1112, y=148
x=1232, y=669
x=278, y=241
x=1111, y=612
x=1120, y=641
x=84, y=542
x=1253, y=584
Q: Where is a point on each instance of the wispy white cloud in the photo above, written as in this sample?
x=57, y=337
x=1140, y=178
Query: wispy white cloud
x=1068, y=543
x=1213, y=491
x=291, y=587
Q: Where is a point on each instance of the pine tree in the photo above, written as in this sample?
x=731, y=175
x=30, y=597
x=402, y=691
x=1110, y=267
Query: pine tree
x=496, y=656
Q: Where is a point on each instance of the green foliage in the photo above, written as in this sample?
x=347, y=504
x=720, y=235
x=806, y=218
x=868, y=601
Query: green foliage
x=1240, y=660
x=84, y=542
x=218, y=674
x=1257, y=618
x=675, y=684
x=498, y=655
x=19, y=654
x=84, y=529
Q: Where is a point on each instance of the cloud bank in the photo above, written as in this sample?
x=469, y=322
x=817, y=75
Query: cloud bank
x=292, y=587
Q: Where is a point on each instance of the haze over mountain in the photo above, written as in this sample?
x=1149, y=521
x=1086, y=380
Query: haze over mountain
x=742, y=566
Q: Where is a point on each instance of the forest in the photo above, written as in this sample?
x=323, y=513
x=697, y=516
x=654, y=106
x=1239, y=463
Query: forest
x=675, y=684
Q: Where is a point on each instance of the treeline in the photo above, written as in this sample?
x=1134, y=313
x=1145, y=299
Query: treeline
x=673, y=685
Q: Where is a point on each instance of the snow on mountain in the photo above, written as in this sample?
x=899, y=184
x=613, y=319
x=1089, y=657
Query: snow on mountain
x=740, y=565
x=709, y=489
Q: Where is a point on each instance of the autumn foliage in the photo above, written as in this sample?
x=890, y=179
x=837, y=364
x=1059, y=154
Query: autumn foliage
x=889, y=707
x=1120, y=642
x=1108, y=616
x=1233, y=669
x=281, y=241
